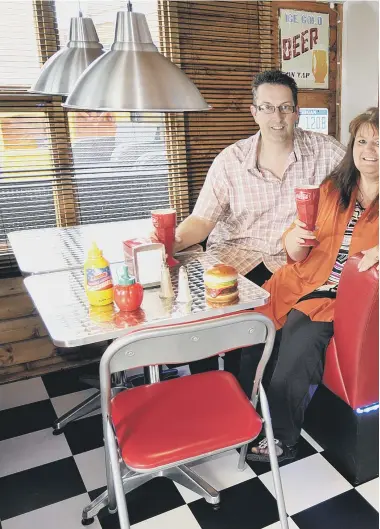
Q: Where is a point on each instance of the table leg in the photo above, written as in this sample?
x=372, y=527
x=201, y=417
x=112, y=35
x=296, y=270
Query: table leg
x=154, y=374
x=85, y=407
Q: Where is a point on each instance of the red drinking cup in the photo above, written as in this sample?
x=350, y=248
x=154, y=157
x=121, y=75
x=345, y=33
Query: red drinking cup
x=307, y=200
x=165, y=223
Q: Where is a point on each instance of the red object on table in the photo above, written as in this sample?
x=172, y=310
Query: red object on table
x=128, y=294
x=125, y=319
x=165, y=222
x=128, y=298
x=307, y=200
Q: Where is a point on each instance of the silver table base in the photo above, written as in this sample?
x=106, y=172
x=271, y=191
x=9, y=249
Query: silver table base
x=92, y=403
x=84, y=408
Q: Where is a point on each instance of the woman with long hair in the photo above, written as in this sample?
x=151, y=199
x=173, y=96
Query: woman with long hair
x=303, y=291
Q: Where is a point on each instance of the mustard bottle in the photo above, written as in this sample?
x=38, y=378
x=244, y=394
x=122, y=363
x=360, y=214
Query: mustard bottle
x=98, y=282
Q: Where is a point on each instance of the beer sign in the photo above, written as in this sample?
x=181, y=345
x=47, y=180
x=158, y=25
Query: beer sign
x=304, y=47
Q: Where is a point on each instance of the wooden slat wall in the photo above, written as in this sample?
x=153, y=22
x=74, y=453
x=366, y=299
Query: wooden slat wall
x=25, y=347
x=23, y=337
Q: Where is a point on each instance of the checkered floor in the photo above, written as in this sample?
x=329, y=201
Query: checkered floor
x=46, y=480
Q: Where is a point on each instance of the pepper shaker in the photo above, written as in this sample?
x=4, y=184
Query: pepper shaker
x=166, y=282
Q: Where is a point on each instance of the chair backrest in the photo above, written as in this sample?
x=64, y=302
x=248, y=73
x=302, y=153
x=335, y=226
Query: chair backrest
x=187, y=342
x=352, y=360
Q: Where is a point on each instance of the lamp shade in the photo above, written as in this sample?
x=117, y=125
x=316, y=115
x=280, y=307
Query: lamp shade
x=134, y=76
x=60, y=73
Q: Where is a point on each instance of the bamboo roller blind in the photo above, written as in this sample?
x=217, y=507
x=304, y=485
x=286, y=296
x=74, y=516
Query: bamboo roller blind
x=221, y=46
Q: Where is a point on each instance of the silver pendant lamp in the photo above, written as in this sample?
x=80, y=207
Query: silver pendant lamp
x=134, y=76
x=60, y=73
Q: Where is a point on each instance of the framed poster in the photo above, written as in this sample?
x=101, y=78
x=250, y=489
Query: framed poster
x=315, y=119
x=304, y=41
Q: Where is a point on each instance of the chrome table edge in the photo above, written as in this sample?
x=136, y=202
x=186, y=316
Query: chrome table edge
x=62, y=304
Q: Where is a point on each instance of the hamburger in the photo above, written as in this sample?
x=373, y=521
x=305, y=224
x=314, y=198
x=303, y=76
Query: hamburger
x=221, y=285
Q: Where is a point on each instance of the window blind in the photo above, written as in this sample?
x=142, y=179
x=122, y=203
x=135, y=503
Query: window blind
x=26, y=162
x=61, y=168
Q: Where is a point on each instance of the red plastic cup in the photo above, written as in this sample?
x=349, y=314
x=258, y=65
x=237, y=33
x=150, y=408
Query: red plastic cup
x=307, y=200
x=165, y=223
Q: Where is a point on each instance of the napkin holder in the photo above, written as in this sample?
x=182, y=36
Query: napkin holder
x=144, y=258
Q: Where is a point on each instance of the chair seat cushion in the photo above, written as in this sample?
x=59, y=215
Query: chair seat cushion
x=183, y=418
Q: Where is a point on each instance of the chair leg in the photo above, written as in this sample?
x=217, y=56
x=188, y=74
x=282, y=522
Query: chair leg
x=273, y=460
x=110, y=485
x=95, y=506
x=116, y=475
x=190, y=479
x=130, y=482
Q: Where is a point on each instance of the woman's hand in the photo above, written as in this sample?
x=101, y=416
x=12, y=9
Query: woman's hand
x=370, y=258
x=298, y=234
x=295, y=245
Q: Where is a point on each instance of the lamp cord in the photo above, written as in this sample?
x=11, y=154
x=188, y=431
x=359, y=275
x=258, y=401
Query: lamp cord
x=80, y=10
x=129, y=5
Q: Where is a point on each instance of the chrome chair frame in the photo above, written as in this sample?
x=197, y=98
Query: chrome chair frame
x=180, y=343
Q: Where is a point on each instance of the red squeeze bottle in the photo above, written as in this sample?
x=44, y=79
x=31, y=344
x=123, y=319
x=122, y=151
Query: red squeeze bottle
x=128, y=294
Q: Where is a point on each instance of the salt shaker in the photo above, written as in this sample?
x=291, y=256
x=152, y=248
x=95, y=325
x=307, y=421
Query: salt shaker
x=184, y=294
x=166, y=282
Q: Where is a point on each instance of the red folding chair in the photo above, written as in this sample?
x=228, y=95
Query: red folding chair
x=211, y=412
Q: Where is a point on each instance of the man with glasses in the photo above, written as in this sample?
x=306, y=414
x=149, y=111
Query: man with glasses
x=247, y=200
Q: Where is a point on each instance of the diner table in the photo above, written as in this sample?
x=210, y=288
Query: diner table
x=61, y=301
x=63, y=306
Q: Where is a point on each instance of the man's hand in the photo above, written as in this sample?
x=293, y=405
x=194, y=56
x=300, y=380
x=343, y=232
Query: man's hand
x=192, y=230
x=178, y=240
x=369, y=259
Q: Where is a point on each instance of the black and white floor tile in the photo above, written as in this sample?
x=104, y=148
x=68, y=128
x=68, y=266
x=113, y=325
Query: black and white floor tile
x=46, y=480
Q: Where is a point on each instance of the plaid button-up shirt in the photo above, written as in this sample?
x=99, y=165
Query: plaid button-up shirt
x=252, y=207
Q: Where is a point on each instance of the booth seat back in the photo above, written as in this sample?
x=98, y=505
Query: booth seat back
x=352, y=357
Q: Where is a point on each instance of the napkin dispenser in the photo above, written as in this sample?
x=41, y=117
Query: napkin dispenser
x=144, y=258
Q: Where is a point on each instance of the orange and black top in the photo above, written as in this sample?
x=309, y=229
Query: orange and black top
x=294, y=280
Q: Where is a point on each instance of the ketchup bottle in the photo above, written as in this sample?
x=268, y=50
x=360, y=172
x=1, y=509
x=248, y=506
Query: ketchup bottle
x=128, y=294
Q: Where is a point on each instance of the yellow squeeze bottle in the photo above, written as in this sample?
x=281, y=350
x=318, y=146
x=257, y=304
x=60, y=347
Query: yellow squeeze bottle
x=97, y=278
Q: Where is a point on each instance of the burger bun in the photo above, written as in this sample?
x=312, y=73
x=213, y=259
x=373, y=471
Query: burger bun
x=221, y=285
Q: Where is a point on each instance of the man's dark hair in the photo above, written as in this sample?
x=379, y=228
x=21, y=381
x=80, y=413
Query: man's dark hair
x=274, y=77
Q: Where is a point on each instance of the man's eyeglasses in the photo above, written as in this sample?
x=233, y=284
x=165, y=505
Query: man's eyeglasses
x=270, y=109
